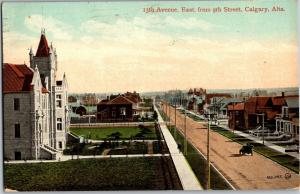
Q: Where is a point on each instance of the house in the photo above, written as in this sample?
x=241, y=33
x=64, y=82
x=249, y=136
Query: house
x=116, y=108
x=287, y=122
x=219, y=105
x=236, y=120
x=196, y=99
x=255, y=106
x=35, y=112
x=253, y=111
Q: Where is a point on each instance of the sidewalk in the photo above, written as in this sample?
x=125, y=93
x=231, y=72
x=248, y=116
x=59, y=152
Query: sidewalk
x=75, y=157
x=255, y=139
x=187, y=177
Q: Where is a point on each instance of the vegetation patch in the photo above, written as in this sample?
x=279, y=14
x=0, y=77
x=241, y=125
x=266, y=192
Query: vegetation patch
x=199, y=165
x=143, y=173
x=160, y=147
x=194, y=117
x=141, y=132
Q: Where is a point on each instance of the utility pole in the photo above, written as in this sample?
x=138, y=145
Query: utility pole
x=185, y=138
x=263, y=120
x=169, y=113
x=185, y=141
x=207, y=152
x=175, y=120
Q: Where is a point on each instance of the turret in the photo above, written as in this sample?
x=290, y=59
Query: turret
x=31, y=57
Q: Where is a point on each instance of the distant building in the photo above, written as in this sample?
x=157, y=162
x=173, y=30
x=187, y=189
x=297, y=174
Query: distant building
x=219, y=105
x=196, y=99
x=116, y=108
x=35, y=116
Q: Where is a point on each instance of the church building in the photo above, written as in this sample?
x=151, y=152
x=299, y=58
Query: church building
x=35, y=109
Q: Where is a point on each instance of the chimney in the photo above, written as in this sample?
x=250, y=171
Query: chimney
x=282, y=94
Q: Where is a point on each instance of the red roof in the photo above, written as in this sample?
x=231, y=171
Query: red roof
x=239, y=106
x=120, y=100
x=43, y=49
x=132, y=98
x=256, y=102
x=278, y=101
x=17, y=78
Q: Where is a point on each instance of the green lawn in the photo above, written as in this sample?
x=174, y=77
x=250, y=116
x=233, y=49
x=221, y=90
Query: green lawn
x=195, y=118
x=93, y=174
x=283, y=159
x=126, y=132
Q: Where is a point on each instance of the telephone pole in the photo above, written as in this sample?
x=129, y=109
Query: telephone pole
x=175, y=120
x=208, y=158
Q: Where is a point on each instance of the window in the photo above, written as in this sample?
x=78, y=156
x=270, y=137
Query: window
x=59, y=124
x=123, y=111
x=58, y=101
x=113, y=113
x=17, y=131
x=16, y=104
x=285, y=111
x=17, y=155
x=60, y=145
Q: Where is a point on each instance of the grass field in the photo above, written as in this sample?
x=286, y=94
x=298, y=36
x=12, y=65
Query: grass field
x=151, y=173
x=126, y=132
x=283, y=159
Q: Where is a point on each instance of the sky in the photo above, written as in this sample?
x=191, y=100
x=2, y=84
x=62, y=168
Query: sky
x=116, y=47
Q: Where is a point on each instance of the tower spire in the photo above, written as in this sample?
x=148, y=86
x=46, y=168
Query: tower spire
x=43, y=31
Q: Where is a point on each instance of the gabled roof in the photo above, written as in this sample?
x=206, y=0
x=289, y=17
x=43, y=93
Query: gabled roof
x=239, y=106
x=132, y=98
x=278, y=101
x=262, y=101
x=17, y=78
x=120, y=100
x=43, y=48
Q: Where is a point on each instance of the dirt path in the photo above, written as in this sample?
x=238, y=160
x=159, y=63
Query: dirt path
x=244, y=172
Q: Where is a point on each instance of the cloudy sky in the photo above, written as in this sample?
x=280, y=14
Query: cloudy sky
x=116, y=47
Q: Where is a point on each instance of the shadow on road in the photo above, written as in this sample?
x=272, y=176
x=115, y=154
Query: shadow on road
x=235, y=155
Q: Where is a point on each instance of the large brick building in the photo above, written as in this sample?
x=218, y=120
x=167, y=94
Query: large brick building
x=35, y=115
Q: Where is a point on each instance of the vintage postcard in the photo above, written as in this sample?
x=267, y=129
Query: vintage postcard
x=150, y=95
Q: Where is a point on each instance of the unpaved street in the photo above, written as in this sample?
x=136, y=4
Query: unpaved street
x=244, y=172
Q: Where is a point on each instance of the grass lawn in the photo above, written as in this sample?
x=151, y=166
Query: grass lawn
x=283, y=159
x=195, y=118
x=126, y=132
x=149, y=173
x=199, y=165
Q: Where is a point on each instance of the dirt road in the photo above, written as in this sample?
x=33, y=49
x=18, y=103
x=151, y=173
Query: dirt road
x=244, y=172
